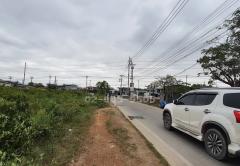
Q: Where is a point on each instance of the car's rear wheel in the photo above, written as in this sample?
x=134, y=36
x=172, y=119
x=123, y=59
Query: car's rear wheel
x=167, y=121
x=215, y=144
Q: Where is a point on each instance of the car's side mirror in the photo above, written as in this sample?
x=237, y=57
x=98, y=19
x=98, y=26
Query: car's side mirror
x=175, y=102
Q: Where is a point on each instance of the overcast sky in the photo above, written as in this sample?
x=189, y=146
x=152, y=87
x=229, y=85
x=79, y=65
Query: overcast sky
x=74, y=38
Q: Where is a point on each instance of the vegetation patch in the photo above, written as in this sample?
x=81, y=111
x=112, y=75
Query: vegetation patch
x=43, y=127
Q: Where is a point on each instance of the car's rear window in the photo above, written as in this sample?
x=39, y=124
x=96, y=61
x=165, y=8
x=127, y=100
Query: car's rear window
x=232, y=100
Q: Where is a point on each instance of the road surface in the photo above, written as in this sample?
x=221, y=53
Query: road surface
x=174, y=144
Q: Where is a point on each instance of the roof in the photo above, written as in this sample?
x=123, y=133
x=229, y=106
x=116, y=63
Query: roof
x=4, y=81
x=64, y=85
x=10, y=82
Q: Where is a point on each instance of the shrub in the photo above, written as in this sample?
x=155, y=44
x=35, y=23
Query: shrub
x=32, y=119
x=15, y=127
x=100, y=103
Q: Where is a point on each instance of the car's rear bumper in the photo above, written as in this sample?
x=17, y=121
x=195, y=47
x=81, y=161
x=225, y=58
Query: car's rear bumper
x=234, y=149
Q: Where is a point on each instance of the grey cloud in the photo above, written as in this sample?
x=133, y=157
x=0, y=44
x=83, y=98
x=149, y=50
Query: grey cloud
x=87, y=37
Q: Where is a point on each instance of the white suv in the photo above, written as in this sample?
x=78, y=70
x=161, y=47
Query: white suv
x=209, y=115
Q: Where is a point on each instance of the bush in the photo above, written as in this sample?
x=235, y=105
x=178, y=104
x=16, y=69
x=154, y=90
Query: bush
x=100, y=103
x=16, y=129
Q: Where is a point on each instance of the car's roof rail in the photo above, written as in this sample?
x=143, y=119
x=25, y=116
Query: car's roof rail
x=215, y=88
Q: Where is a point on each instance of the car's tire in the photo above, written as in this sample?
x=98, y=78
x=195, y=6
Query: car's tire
x=216, y=144
x=167, y=120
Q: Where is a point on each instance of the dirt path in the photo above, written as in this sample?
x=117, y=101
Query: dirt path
x=114, y=142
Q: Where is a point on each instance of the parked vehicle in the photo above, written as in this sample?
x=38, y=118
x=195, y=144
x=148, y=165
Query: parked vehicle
x=209, y=115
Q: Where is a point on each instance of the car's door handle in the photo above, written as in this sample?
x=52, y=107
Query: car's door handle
x=207, y=111
x=186, y=109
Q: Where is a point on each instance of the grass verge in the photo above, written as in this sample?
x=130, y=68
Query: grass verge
x=162, y=159
x=122, y=137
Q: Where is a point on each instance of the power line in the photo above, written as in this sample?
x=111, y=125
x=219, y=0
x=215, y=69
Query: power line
x=191, y=44
x=175, y=11
x=181, y=58
x=186, y=69
x=206, y=21
x=178, y=57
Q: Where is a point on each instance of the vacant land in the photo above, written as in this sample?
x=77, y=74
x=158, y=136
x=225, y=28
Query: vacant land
x=112, y=140
x=43, y=127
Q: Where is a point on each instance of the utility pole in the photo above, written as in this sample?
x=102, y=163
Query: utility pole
x=130, y=74
x=86, y=82
x=50, y=78
x=24, y=74
x=138, y=84
x=31, y=78
x=129, y=64
x=186, y=80
x=10, y=78
x=55, y=80
x=121, y=80
x=132, y=68
x=164, y=91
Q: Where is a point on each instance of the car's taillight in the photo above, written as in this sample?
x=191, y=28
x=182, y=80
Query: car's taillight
x=237, y=116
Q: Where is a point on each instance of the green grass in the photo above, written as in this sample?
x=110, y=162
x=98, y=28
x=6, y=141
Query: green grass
x=66, y=142
x=43, y=127
x=162, y=159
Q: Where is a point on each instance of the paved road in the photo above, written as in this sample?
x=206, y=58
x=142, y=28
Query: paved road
x=189, y=149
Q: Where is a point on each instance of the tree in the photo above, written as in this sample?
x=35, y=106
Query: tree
x=102, y=87
x=51, y=86
x=163, y=82
x=199, y=86
x=222, y=61
x=170, y=86
x=30, y=84
x=36, y=85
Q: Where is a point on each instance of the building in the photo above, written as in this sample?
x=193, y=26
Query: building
x=92, y=89
x=5, y=83
x=124, y=91
x=68, y=87
x=10, y=83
